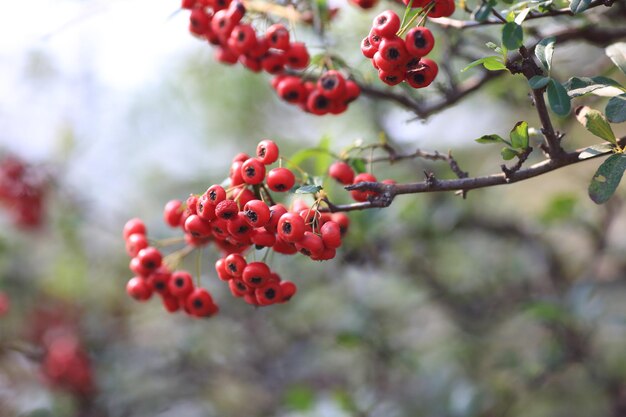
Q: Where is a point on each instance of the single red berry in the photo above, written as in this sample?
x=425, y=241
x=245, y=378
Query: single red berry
x=216, y=194
x=331, y=234
x=278, y=36
x=268, y=294
x=267, y=152
x=375, y=38
x=220, y=268
x=205, y=208
x=253, y=171
x=227, y=209
x=393, y=51
x=172, y=212
x=197, y=227
x=287, y=290
x=238, y=288
x=341, y=172
x=180, y=284
x=235, y=173
x=137, y=268
x=135, y=225
x=242, y=38
x=325, y=255
x=276, y=211
x=297, y=56
x=199, y=21
x=150, y=258
x=236, y=11
x=424, y=75
x=253, y=64
x=219, y=4
x=310, y=244
x=260, y=49
x=257, y=213
x=219, y=228
x=280, y=179
x=159, y=279
x=241, y=157
x=291, y=227
x=240, y=228
x=367, y=48
x=261, y=238
x=332, y=85
x=135, y=243
x=192, y=203
x=391, y=77
x=387, y=23
x=442, y=8
x=242, y=196
x=170, y=302
x=419, y=41
x=291, y=89
x=255, y=274
x=342, y=220
x=225, y=55
x=273, y=62
x=235, y=264
x=138, y=289
x=200, y=303
x=353, y=91
x=317, y=103
x=222, y=24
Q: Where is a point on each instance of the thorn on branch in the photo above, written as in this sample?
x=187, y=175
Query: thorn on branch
x=431, y=181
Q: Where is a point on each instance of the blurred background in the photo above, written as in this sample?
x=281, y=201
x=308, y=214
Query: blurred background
x=507, y=303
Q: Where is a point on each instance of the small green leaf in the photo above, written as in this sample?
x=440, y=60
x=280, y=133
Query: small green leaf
x=607, y=178
x=617, y=53
x=494, y=63
x=560, y=207
x=508, y=154
x=486, y=139
x=482, y=12
x=495, y=47
x=299, y=397
x=559, y=100
x=616, y=109
x=596, y=123
x=358, y=164
x=544, y=51
x=595, y=150
x=519, y=135
x=308, y=189
x=538, y=82
x=579, y=86
x=512, y=36
x=579, y=6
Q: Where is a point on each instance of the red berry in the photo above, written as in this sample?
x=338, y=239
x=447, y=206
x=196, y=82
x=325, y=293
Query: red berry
x=222, y=24
x=240, y=228
x=238, y=288
x=342, y=220
x=138, y=289
x=341, y=172
x=241, y=157
x=332, y=85
x=374, y=38
x=135, y=225
x=200, y=303
x=393, y=51
x=291, y=227
x=242, y=38
x=267, y=151
x=235, y=173
x=442, y=8
x=352, y=91
x=253, y=171
x=278, y=36
x=419, y=41
x=159, y=279
x=276, y=212
x=216, y=194
x=199, y=21
x=257, y=213
x=137, y=268
x=287, y=290
x=283, y=247
x=391, y=77
x=170, y=302
x=424, y=75
x=172, y=212
x=205, y=208
x=268, y=294
x=150, y=258
x=135, y=243
x=197, y=227
x=317, y=103
x=331, y=234
x=180, y=284
x=220, y=268
x=291, y=89
x=273, y=62
x=387, y=23
x=262, y=238
x=219, y=228
x=227, y=209
x=367, y=48
x=255, y=274
x=280, y=179
x=235, y=264
x=310, y=244
x=297, y=56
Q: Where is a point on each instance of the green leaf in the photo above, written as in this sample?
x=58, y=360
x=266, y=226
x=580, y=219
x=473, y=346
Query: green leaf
x=616, y=109
x=519, y=135
x=492, y=63
x=607, y=178
x=495, y=47
x=508, y=154
x=486, y=139
x=596, y=123
x=358, y=164
x=558, y=98
x=544, y=51
x=482, y=12
x=579, y=86
x=560, y=207
x=617, y=53
x=579, y=6
x=538, y=82
x=512, y=36
x=308, y=189
x=595, y=150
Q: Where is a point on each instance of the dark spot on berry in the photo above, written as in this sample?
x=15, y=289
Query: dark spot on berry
x=382, y=20
x=256, y=280
x=328, y=83
x=270, y=294
x=179, y=282
x=262, y=151
x=252, y=216
x=159, y=285
x=258, y=247
x=305, y=251
x=391, y=78
x=149, y=265
x=419, y=78
x=241, y=286
x=280, y=187
x=222, y=23
x=287, y=228
x=241, y=36
x=321, y=102
x=212, y=195
x=243, y=229
x=274, y=38
x=232, y=267
x=419, y=41
x=393, y=54
x=250, y=172
x=197, y=303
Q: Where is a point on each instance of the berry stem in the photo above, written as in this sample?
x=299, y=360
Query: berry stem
x=173, y=259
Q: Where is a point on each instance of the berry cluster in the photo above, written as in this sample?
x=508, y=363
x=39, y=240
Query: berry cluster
x=220, y=22
x=236, y=219
x=398, y=59
x=343, y=173
x=22, y=190
x=332, y=93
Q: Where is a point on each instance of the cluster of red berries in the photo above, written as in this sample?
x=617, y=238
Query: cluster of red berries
x=332, y=93
x=22, y=191
x=343, y=173
x=219, y=21
x=235, y=219
x=398, y=59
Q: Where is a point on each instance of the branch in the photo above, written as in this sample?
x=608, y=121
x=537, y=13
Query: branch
x=387, y=192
